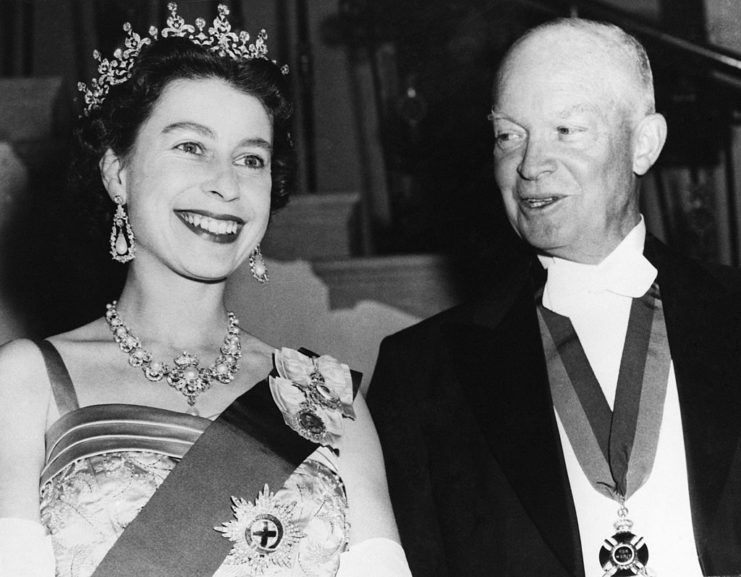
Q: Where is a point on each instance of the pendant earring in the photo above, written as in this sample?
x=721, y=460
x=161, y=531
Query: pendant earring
x=257, y=266
x=122, y=237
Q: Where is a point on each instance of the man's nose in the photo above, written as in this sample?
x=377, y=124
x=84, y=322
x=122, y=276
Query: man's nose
x=536, y=160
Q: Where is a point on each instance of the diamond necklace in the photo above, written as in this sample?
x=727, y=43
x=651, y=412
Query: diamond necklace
x=186, y=376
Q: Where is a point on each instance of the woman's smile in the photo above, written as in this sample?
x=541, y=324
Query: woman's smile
x=216, y=228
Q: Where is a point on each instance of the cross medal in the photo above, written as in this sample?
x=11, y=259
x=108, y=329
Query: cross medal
x=624, y=554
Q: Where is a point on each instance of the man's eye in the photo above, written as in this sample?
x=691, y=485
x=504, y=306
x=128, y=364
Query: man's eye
x=568, y=131
x=507, y=139
x=190, y=148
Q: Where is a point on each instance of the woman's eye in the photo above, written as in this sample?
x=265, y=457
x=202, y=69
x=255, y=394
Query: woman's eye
x=251, y=161
x=190, y=148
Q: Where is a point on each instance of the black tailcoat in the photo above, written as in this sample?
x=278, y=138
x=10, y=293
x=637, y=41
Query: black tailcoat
x=474, y=459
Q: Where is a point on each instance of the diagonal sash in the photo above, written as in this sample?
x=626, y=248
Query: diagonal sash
x=247, y=447
x=615, y=448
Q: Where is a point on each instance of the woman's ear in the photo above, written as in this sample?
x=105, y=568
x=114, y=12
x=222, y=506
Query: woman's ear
x=113, y=174
x=648, y=140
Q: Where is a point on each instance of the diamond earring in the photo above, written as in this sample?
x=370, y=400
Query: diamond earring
x=122, y=237
x=257, y=266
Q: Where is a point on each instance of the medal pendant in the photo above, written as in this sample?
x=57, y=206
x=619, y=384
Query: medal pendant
x=624, y=554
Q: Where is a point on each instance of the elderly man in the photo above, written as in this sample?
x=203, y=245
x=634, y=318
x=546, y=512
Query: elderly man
x=584, y=419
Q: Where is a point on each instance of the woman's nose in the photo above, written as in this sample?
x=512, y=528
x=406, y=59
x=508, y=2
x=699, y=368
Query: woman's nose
x=222, y=181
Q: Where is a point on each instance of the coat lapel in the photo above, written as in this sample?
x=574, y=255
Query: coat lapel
x=504, y=375
x=702, y=318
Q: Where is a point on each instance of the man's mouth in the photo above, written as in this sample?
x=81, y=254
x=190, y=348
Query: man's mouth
x=540, y=202
x=217, y=228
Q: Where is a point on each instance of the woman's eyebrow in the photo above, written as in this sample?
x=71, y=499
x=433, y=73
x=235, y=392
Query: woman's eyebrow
x=257, y=141
x=187, y=125
x=206, y=131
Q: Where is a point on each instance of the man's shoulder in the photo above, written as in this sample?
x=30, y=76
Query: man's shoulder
x=677, y=267
x=729, y=277
x=432, y=327
x=484, y=310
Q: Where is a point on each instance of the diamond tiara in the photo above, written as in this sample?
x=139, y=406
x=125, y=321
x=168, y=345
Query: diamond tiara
x=218, y=38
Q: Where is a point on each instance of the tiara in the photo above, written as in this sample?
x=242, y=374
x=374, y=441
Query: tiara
x=218, y=38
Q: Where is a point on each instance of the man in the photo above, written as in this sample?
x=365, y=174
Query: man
x=520, y=440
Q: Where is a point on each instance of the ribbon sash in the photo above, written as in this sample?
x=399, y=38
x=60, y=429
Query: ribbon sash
x=247, y=447
x=615, y=448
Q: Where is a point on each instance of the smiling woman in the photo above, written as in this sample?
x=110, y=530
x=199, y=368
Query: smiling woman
x=262, y=462
x=197, y=176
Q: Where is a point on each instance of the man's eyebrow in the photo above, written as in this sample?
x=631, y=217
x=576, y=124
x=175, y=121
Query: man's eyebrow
x=495, y=114
x=579, y=109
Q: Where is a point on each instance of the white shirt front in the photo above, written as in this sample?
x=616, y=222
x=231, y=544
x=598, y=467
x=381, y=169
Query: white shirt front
x=660, y=510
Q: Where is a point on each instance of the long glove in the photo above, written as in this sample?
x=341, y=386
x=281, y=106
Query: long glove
x=25, y=549
x=374, y=558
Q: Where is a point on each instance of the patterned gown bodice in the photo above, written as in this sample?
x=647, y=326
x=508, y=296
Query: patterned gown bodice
x=104, y=462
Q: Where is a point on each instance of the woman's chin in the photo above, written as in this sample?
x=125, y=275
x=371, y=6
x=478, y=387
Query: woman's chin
x=207, y=274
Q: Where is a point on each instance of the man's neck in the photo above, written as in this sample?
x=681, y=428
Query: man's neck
x=633, y=242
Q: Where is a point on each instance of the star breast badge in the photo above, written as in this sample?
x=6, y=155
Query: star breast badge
x=264, y=534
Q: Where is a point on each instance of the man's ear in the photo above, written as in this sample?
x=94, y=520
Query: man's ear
x=113, y=174
x=648, y=140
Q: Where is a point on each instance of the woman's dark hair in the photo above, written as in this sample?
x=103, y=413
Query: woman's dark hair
x=116, y=123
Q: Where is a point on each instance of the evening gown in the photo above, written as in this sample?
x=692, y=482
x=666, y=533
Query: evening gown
x=104, y=462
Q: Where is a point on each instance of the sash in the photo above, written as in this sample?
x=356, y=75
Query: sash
x=615, y=448
x=245, y=448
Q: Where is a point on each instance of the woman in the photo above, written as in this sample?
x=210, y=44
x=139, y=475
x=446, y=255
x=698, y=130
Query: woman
x=187, y=131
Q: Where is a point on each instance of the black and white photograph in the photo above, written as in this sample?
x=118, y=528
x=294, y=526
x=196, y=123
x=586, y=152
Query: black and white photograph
x=370, y=288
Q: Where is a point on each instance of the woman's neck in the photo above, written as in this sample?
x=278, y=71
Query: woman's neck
x=174, y=312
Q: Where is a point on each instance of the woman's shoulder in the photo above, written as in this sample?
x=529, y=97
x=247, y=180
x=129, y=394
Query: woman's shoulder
x=19, y=358
x=92, y=332
x=253, y=345
x=25, y=364
x=24, y=405
x=84, y=345
x=23, y=354
x=24, y=382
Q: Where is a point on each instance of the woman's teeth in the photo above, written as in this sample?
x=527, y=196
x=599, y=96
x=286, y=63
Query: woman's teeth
x=212, y=225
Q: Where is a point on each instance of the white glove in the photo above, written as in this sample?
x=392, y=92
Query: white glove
x=25, y=549
x=377, y=557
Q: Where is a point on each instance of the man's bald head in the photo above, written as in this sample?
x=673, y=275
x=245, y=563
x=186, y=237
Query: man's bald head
x=605, y=49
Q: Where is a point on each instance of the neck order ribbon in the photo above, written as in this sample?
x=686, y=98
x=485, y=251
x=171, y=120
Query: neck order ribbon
x=615, y=448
